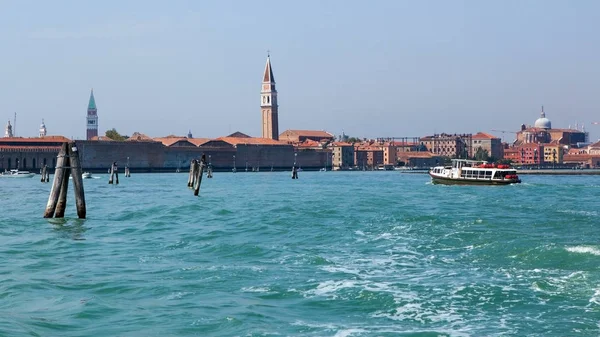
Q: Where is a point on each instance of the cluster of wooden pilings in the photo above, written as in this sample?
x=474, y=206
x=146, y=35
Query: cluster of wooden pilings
x=127, y=173
x=196, y=172
x=45, y=173
x=294, y=172
x=67, y=164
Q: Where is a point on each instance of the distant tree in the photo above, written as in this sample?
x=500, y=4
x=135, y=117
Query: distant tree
x=353, y=140
x=505, y=161
x=481, y=154
x=114, y=135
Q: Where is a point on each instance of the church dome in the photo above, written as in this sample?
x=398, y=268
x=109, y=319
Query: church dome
x=543, y=122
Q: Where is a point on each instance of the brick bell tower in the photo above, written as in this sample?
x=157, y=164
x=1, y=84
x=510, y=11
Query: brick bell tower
x=92, y=118
x=268, y=105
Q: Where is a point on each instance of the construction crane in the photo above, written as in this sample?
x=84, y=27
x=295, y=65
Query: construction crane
x=503, y=132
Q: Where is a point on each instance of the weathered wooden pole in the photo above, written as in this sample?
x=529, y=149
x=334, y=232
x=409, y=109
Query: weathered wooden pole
x=43, y=173
x=294, y=173
x=58, y=175
x=77, y=180
x=127, y=174
x=191, y=177
x=199, y=174
x=64, y=188
x=112, y=173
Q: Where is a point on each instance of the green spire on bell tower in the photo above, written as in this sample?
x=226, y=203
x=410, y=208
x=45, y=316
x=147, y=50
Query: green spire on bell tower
x=92, y=104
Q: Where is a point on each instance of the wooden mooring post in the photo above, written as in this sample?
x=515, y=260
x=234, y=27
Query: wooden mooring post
x=64, y=188
x=192, y=176
x=294, y=173
x=114, y=174
x=67, y=162
x=127, y=173
x=199, y=173
x=43, y=174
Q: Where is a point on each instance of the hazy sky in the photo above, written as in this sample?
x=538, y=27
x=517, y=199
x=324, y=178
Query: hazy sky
x=369, y=68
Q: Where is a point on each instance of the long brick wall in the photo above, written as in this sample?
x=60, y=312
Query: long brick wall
x=97, y=156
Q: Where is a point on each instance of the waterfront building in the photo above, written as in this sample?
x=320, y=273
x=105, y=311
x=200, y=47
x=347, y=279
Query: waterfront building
x=368, y=156
x=299, y=136
x=526, y=154
x=29, y=153
x=342, y=155
x=542, y=132
x=8, y=131
x=92, y=118
x=390, y=154
x=417, y=159
x=446, y=145
x=553, y=153
x=489, y=143
x=594, y=148
x=43, y=130
x=268, y=105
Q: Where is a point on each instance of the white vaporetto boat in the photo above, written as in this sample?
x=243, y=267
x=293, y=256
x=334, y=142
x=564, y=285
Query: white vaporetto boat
x=16, y=174
x=86, y=175
x=474, y=172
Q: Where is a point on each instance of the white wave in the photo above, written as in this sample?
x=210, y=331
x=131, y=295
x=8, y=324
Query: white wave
x=255, y=290
x=348, y=332
x=584, y=250
x=334, y=269
x=330, y=287
x=596, y=297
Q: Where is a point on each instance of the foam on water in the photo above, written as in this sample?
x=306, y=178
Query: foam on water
x=341, y=254
x=584, y=250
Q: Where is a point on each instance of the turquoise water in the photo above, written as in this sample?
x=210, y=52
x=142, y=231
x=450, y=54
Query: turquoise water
x=330, y=254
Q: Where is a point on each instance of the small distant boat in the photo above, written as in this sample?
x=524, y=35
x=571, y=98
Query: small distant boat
x=473, y=172
x=323, y=170
x=84, y=175
x=16, y=174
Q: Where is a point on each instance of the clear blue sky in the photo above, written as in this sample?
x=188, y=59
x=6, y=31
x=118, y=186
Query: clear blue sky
x=378, y=68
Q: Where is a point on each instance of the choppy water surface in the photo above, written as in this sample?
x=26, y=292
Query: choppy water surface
x=331, y=254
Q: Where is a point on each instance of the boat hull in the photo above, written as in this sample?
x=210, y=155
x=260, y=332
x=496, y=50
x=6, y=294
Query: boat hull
x=27, y=175
x=463, y=181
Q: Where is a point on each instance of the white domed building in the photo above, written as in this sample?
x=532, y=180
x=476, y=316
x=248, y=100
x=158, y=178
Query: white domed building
x=543, y=122
x=43, y=130
x=542, y=133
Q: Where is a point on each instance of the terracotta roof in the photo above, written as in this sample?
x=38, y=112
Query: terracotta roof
x=575, y=157
x=483, y=135
x=251, y=141
x=307, y=133
x=168, y=141
x=102, y=138
x=368, y=148
x=397, y=143
x=340, y=144
x=596, y=144
x=309, y=143
x=47, y=139
x=136, y=136
x=29, y=148
x=416, y=154
x=238, y=134
x=198, y=141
